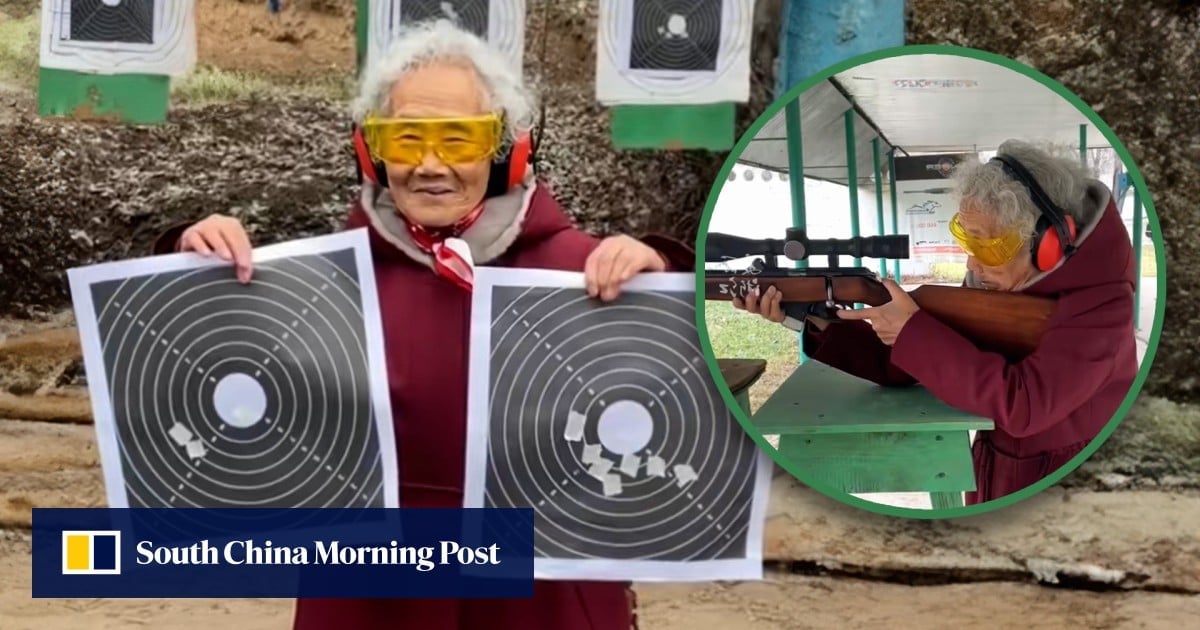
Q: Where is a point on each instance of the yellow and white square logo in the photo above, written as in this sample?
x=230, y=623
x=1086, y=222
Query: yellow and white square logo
x=91, y=552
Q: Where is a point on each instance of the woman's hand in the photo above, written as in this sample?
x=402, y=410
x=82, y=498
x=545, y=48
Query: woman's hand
x=768, y=305
x=614, y=261
x=223, y=236
x=888, y=320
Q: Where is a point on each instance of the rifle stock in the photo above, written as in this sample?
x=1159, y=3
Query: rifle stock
x=1010, y=324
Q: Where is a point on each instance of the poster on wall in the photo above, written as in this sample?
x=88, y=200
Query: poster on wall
x=499, y=22
x=657, y=52
x=154, y=37
x=923, y=195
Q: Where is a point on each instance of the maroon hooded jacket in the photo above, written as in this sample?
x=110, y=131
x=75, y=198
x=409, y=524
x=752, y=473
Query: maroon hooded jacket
x=427, y=321
x=1046, y=407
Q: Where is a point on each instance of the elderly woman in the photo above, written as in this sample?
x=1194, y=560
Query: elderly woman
x=444, y=120
x=1049, y=405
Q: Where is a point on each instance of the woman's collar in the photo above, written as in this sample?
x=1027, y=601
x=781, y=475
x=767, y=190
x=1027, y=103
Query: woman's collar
x=489, y=236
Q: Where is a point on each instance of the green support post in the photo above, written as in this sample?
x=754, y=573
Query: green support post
x=1083, y=145
x=852, y=177
x=895, y=211
x=878, y=198
x=361, y=12
x=795, y=146
x=1137, y=258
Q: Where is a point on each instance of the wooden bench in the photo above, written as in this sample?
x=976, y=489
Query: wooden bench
x=739, y=375
x=852, y=435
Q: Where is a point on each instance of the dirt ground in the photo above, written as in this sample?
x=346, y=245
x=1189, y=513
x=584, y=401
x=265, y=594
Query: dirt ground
x=781, y=602
x=73, y=193
x=293, y=45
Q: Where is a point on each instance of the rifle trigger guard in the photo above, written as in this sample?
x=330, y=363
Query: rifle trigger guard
x=829, y=303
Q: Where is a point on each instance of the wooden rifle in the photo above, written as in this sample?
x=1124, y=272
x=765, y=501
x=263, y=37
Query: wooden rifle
x=1008, y=323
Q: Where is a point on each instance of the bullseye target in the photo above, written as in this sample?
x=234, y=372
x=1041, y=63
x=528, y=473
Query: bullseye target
x=218, y=394
x=125, y=36
x=674, y=51
x=605, y=421
x=499, y=22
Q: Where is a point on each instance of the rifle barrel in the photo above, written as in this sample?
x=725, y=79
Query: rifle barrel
x=1010, y=324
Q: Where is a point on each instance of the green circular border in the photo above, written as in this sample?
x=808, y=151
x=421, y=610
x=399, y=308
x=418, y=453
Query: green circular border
x=1151, y=217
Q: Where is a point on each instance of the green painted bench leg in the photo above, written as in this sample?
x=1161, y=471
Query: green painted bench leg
x=743, y=400
x=946, y=500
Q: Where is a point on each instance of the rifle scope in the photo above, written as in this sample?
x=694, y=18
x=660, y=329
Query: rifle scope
x=797, y=246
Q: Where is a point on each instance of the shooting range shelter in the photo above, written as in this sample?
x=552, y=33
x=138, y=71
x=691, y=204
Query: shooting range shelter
x=849, y=128
x=841, y=432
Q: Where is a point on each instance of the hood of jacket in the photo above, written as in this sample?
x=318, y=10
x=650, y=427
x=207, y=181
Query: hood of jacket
x=1104, y=254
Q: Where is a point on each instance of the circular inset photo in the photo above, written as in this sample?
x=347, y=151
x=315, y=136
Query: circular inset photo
x=951, y=299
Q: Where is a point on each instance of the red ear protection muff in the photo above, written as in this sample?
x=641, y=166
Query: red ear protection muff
x=1046, y=247
x=364, y=165
x=1054, y=237
x=509, y=167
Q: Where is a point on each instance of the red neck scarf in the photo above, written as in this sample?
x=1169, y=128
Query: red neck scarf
x=451, y=255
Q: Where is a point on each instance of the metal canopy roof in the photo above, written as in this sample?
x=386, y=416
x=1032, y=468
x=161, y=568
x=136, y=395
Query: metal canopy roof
x=923, y=104
x=823, y=130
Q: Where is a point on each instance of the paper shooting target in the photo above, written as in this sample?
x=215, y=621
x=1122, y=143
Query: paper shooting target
x=675, y=35
x=499, y=22
x=119, y=36
x=129, y=21
x=674, y=50
x=605, y=421
x=228, y=395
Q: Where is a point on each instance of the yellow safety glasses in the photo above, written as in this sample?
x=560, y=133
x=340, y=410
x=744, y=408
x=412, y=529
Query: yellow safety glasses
x=990, y=252
x=452, y=140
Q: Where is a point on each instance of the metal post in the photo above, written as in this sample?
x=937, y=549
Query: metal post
x=895, y=212
x=1137, y=258
x=795, y=146
x=816, y=34
x=813, y=36
x=1083, y=145
x=362, y=11
x=878, y=198
x=852, y=177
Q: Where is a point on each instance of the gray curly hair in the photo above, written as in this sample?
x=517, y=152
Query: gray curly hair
x=440, y=40
x=986, y=185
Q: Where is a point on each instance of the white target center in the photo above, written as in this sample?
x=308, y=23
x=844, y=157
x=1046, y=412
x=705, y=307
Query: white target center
x=111, y=3
x=677, y=24
x=625, y=427
x=240, y=400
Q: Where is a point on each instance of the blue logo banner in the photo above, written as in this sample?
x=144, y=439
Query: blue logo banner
x=252, y=552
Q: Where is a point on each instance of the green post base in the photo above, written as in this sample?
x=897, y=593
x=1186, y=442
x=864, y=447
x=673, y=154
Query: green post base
x=674, y=127
x=133, y=98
